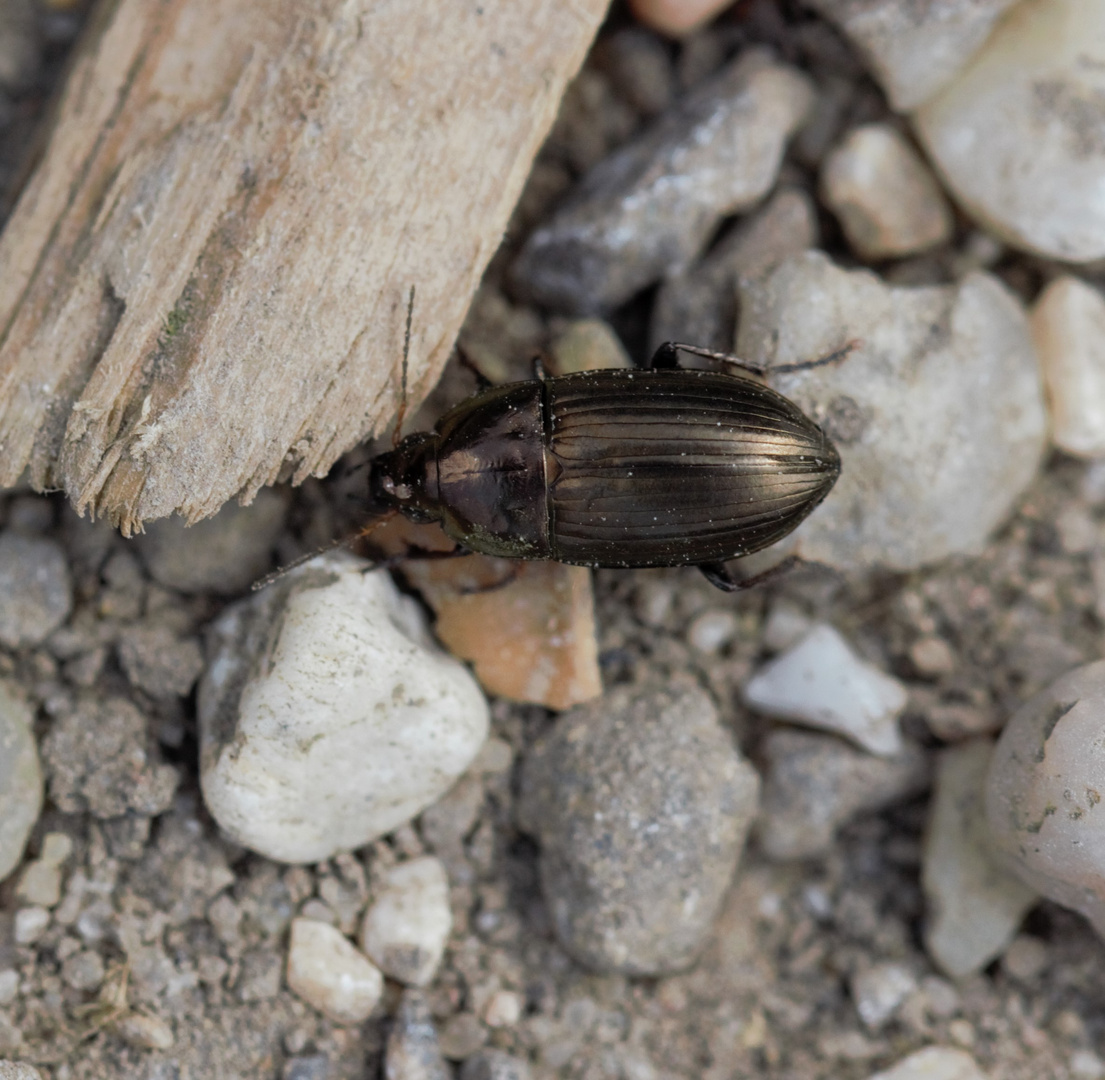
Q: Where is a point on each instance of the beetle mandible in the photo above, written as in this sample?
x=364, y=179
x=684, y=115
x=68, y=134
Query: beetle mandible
x=661, y=466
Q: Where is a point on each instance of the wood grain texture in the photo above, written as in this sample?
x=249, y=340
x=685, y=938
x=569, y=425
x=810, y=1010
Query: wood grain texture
x=203, y=285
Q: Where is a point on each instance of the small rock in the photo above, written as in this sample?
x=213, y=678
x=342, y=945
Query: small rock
x=224, y=554
x=1086, y=1065
x=20, y=777
x=330, y=974
x=350, y=725
x=933, y=1063
x=40, y=882
x=159, y=662
x=712, y=630
x=1015, y=135
x=913, y=490
x=83, y=971
x=974, y=905
x=412, y=1049
x=914, y=50
x=531, y=640
x=699, y=304
x=641, y=804
x=1043, y=790
x=676, y=17
x=1026, y=959
x=814, y=783
x=820, y=682
x=462, y=1036
x=587, y=345
x=406, y=927
x=932, y=656
x=1068, y=326
x=887, y=200
x=30, y=924
x=651, y=206
x=784, y=626
x=503, y=1009
x=494, y=1065
x=879, y=990
x=9, y=985
x=307, y=1067
x=18, y=1070
x=144, y=1031
x=37, y=590
x=101, y=759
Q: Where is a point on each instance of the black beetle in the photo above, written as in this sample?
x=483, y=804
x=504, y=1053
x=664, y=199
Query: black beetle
x=655, y=467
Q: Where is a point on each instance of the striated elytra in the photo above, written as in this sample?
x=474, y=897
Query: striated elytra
x=657, y=467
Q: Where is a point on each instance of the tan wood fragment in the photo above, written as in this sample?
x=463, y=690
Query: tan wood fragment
x=203, y=285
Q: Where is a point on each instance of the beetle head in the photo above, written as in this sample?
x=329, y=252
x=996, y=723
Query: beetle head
x=406, y=478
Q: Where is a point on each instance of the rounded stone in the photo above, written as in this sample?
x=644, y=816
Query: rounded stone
x=21, y=786
x=327, y=716
x=641, y=803
x=35, y=587
x=1044, y=791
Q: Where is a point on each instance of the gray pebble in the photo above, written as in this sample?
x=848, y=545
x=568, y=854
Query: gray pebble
x=815, y=783
x=641, y=803
x=651, y=206
x=18, y=1070
x=159, y=662
x=224, y=554
x=412, y=1049
x=20, y=777
x=36, y=589
x=494, y=1065
x=101, y=760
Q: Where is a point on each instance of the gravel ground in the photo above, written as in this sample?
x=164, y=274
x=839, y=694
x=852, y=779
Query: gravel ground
x=146, y=945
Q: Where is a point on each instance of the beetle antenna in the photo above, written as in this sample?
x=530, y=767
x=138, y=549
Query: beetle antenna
x=401, y=412
x=757, y=368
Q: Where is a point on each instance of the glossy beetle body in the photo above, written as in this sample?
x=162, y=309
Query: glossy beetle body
x=615, y=468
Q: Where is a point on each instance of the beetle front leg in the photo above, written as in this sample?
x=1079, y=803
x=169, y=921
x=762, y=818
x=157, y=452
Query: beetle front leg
x=717, y=574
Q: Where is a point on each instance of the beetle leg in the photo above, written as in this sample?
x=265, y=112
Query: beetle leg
x=717, y=574
x=667, y=356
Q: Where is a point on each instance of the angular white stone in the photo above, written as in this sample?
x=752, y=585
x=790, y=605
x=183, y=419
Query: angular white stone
x=327, y=718
x=915, y=48
x=1068, y=326
x=330, y=974
x=406, y=927
x=885, y=197
x=40, y=882
x=30, y=924
x=934, y=1063
x=938, y=413
x=1017, y=135
x=878, y=991
x=974, y=904
x=1045, y=788
x=820, y=682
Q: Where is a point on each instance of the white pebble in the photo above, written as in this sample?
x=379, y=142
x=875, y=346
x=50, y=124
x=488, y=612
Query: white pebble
x=327, y=716
x=1086, y=1065
x=711, y=631
x=1044, y=792
x=887, y=200
x=40, y=882
x=934, y=1063
x=785, y=626
x=18, y=1070
x=879, y=990
x=9, y=985
x=30, y=924
x=820, y=682
x=938, y=412
x=504, y=1009
x=1014, y=135
x=1068, y=326
x=914, y=49
x=144, y=1031
x=406, y=927
x=20, y=776
x=330, y=974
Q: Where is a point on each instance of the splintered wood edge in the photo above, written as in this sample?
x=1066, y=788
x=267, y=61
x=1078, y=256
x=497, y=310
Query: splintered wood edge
x=203, y=287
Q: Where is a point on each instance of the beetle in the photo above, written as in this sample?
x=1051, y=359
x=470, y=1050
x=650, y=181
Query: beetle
x=661, y=466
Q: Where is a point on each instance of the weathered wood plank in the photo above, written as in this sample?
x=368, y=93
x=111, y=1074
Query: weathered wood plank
x=203, y=285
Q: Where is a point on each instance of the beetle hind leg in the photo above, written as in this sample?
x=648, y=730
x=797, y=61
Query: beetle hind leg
x=718, y=575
